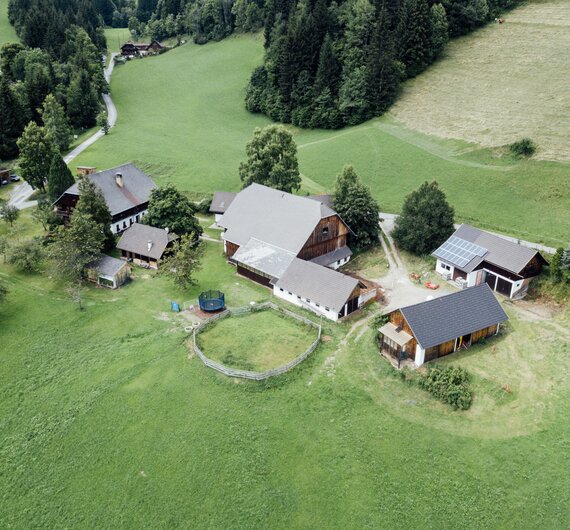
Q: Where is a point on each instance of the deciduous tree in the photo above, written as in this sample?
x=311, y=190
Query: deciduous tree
x=168, y=208
x=26, y=255
x=11, y=123
x=9, y=213
x=36, y=154
x=92, y=203
x=271, y=160
x=182, y=263
x=56, y=123
x=426, y=220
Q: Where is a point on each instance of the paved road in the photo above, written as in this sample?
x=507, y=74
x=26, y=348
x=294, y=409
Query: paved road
x=389, y=218
x=21, y=193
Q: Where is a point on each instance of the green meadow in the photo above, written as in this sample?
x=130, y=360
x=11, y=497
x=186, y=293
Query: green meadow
x=108, y=420
x=7, y=32
x=181, y=116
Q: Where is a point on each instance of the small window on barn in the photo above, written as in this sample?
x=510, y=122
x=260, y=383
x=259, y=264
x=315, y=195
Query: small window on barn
x=124, y=224
x=117, y=228
x=308, y=300
x=281, y=289
x=318, y=305
x=327, y=309
x=326, y=231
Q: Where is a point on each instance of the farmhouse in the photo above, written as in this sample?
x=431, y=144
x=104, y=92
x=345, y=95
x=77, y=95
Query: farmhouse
x=145, y=245
x=126, y=190
x=130, y=49
x=320, y=289
x=438, y=327
x=108, y=271
x=220, y=203
x=471, y=257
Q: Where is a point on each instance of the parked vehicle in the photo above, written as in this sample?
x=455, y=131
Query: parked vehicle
x=14, y=178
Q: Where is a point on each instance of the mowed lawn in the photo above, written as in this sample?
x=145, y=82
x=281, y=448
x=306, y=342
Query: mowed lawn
x=106, y=422
x=256, y=341
x=7, y=32
x=182, y=116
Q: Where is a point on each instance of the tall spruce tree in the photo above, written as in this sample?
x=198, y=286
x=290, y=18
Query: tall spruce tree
x=92, y=203
x=11, y=121
x=82, y=101
x=56, y=123
x=439, y=30
x=414, y=36
x=426, y=220
x=59, y=178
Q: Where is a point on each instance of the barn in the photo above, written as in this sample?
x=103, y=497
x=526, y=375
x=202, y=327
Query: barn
x=471, y=257
x=145, y=245
x=108, y=272
x=435, y=328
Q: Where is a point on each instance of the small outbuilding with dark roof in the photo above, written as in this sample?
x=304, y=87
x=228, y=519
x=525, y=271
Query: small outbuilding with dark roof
x=108, y=271
x=471, y=257
x=221, y=202
x=438, y=327
x=145, y=245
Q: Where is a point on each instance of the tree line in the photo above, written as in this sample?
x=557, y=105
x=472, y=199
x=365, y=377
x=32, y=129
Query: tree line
x=330, y=64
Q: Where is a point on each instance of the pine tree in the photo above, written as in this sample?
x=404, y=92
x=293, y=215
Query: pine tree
x=56, y=123
x=82, y=101
x=328, y=71
x=36, y=153
x=438, y=30
x=426, y=220
x=414, y=36
x=354, y=203
x=11, y=122
x=59, y=178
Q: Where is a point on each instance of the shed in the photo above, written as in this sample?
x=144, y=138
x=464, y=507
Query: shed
x=221, y=202
x=145, y=245
x=441, y=326
x=108, y=271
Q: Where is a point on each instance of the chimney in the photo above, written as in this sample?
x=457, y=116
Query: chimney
x=119, y=180
x=149, y=245
x=166, y=229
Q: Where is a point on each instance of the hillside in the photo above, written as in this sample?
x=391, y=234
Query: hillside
x=499, y=84
x=182, y=115
x=7, y=32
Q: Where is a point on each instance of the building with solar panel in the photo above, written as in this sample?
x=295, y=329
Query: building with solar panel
x=472, y=257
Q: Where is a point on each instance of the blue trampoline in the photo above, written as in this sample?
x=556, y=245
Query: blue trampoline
x=211, y=301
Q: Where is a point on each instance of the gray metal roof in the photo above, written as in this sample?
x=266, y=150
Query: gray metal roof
x=136, y=239
x=106, y=265
x=221, y=201
x=325, y=199
x=500, y=252
x=324, y=286
x=332, y=257
x=263, y=257
x=454, y=315
x=136, y=187
x=272, y=216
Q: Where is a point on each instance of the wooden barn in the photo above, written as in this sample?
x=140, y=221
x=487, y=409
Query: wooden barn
x=126, y=190
x=435, y=328
x=471, y=257
x=108, y=272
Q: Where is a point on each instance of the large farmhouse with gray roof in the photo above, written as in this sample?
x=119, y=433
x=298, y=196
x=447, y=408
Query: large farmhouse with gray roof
x=471, y=257
x=429, y=330
x=126, y=190
x=292, y=245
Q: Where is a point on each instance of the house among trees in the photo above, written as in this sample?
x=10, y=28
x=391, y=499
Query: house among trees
x=108, y=272
x=126, y=190
x=130, y=49
x=429, y=330
x=471, y=257
x=290, y=244
x=145, y=245
x=220, y=203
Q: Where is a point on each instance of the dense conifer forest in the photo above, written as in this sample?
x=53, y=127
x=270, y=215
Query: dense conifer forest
x=330, y=64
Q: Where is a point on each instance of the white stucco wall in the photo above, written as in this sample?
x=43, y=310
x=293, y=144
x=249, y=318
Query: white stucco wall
x=420, y=355
x=128, y=221
x=439, y=268
x=292, y=298
x=337, y=264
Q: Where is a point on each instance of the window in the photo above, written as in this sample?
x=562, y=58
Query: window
x=446, y=267
x=281, y=289
x=326, y=231
x=308, y=300
x=298, y=297
x=131, y=221
x=317, y=305
x=124, y=224
x=338, y=262
x=137, y=219
x=327, y=309
x=117, y=228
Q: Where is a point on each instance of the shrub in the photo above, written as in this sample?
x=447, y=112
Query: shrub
x=448, y=384
x=26, y=255
x=523, y=148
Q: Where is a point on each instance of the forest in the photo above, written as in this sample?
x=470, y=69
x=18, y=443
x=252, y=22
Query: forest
x=330, y=64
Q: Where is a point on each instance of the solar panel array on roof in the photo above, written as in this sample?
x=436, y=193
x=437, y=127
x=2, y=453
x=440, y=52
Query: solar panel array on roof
x=459, y=252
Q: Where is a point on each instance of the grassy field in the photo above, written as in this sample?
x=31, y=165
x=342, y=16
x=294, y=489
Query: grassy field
x=105, y=421
x=187, y=125
x=256, y=341
x=371, y=264
x=504, y=82
x=7, y=32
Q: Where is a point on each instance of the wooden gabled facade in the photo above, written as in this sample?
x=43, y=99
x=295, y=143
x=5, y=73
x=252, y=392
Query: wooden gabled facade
x=330, y=234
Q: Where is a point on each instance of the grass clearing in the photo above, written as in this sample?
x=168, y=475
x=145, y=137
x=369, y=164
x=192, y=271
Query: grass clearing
x=499, y=84
x=256, y=341
x=7, y=32
x=192, y=129
x=371, y=264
